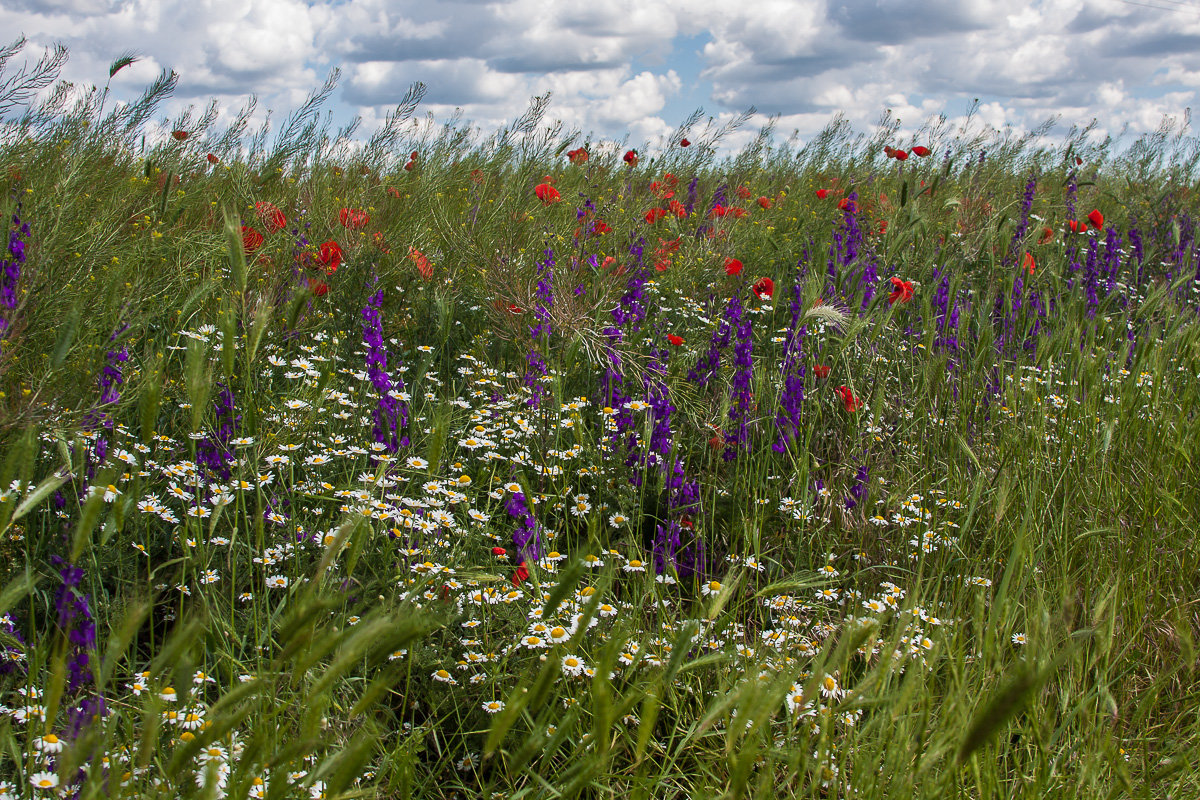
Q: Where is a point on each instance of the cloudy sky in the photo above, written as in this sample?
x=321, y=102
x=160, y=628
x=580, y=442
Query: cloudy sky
x=640, y=67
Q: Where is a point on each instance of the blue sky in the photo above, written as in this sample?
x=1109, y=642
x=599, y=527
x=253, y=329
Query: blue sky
x=620, y=68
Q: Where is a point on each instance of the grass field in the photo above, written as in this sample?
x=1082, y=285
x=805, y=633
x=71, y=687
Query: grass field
x=444, y=465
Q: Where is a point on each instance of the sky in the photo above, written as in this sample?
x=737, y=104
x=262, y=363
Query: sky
x=638, y=68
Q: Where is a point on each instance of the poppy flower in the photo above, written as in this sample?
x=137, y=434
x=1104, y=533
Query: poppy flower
x=764, y=288
x=851, y=402
x=883, y=225
x=477, y=175
x=378, y=240
x=674, y=340
x=251, y=239
x=738, y=212
x=521, y=575
x=662, y=190
x=846, y=204
x=408, y=166
x=1030, y=264
x=1078, y=161
x=717, y=211
x=921, y=151
x=547, y=193
x=329, y=254
x=578, y=155
x=423, y=265
x=764, y=202
x=354, y=218
x=212, y=159
x=733, y=267
x=655, y=214
x=180, y=135
x=1096, y=218
x=394, y=192
x=600, y=227
x=630, y=158
x=1047, y=235
x=889, y=151
x=822, y=194
x=270, y=216
x=412, y=156
x=499, y=551
x=902, y=291
x=744, y=192
x=901, y=155
x=1073, y=225
x=821, y=370
x=318, y=288
x=677, y=208
x=684, y=142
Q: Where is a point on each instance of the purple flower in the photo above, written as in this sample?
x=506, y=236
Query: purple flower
x=391, y=413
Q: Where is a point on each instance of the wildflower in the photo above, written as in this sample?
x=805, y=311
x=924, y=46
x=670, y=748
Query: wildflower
x=317, y=287
x=821, y=370
x=1030, y=264
x=212, y=159
x=822, y=194
x=1096, y=218
x=655, y=214
x=573, y=666
x=630, y=158
x=733, y=266
x=442, y=676
x=764, y=288
x=851, y=402
x=1020, y=639
x=270, y=216
x=179, y=136
x=675, y=341
x=43, y=780
x=494, y=706
x=547, y=193
x=330, y=256
x=920, y=150
x=251, y=239
x=578, y=156
x=900, y=155
x=711, y=588
x=1047, y=235
x=846, y=204
x=764, y=203
x=353, y=218
x=422, y=263
x=51, y=744
x=499, y=552
x=684, y=142
x=634, y=565
x=277, y=582
x=902, y=291
x=521, y=575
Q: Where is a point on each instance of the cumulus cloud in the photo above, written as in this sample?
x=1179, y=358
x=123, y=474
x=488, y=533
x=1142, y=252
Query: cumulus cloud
x=615, y=66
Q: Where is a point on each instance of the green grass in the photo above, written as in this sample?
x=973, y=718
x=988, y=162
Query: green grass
x=1002, y=604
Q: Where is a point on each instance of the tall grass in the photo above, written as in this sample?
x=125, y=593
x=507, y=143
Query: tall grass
x=469, y=511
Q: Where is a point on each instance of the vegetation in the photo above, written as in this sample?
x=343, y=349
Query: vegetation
x=524, y=466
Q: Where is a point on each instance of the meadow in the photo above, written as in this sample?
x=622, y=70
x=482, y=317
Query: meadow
x=441, y=463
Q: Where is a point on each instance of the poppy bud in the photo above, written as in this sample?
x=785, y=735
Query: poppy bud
x=684, y=142
x=889, y=151
x=1078, y=161
x=412, y=156
x=408, y=166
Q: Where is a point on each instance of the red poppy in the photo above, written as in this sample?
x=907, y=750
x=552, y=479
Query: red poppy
x=901, y=155
x=1096, y=218
x=354, y=218
x=521, y=575
x=744, y=192
x=846, y=204
x=180, y=135
x=883, y=223
x=412, y=156
x=764, y=288
x=822, y=194
x=733, y=266
x=674, y=340
x=655, y=214
x=684, y=142
x=330, y=256
x=547, y=193
x=630, y=158
x=821, y=370
x=902, y=291
x=677, y=208
x=662, y=190
x=1073, y=225
x=378, y=240
x=1078, y=161
x=251, y=239
x=477, y=175
x=408, y=167
x=717, y=211
x=318, y=288
x=423, y=265
x=764, y=202
x=212, y=159
x=738, y=212
x=921, y=151
x=600, y=227
x=270, y=216
x=851, y=402
x=1030, y=264
x=1047, y=235
x=889, y=151
x=578, y=155
x=499, y=552
x=394, y=192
